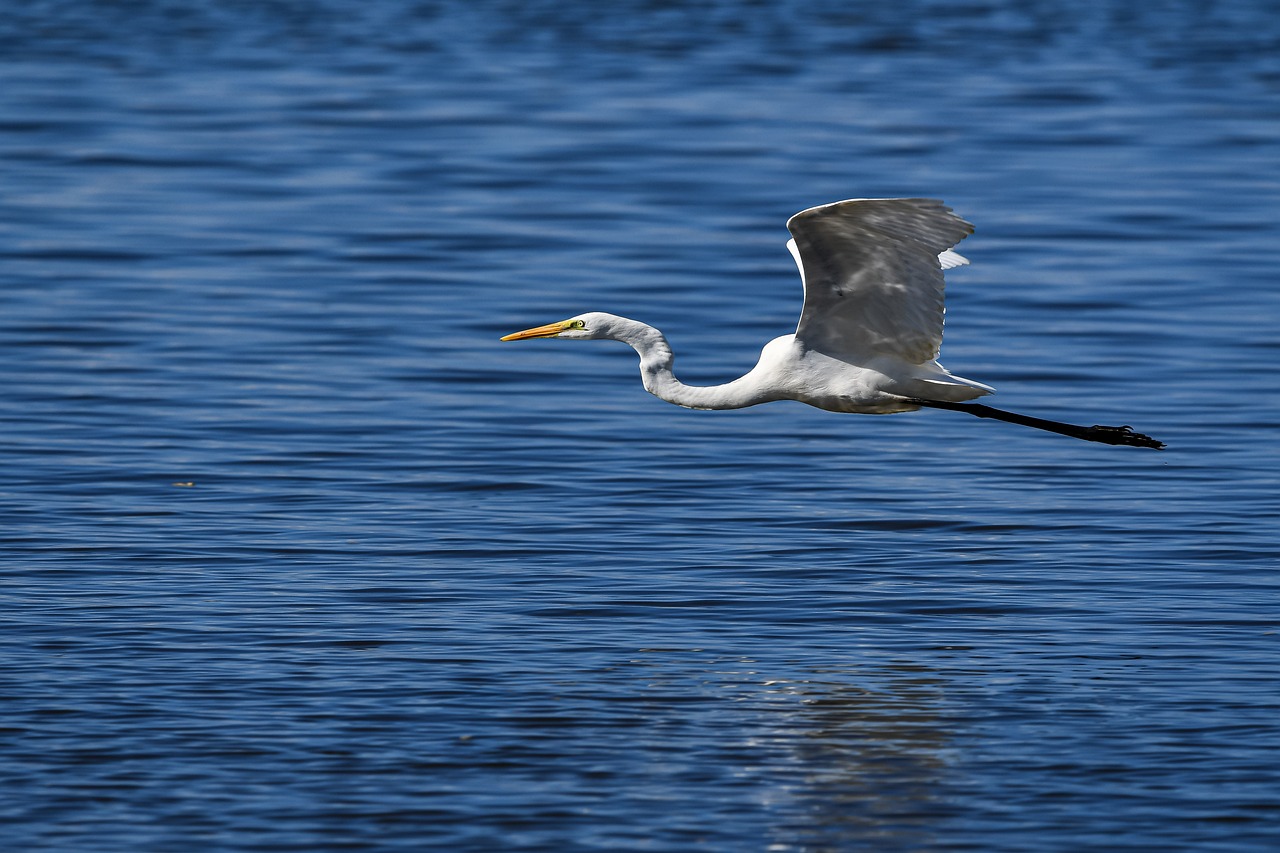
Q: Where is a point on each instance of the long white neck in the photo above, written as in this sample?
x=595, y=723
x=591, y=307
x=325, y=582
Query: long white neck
x=657, y=360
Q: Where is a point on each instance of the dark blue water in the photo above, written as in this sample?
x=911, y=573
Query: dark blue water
x=296, y=556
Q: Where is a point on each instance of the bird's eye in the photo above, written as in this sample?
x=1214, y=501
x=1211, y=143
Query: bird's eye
x=577, y=324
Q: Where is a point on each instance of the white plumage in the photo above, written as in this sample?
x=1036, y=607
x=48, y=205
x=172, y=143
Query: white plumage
x=869, y=332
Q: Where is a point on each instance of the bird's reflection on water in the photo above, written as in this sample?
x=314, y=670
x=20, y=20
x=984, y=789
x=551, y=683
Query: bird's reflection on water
x=837, y=756
x=870, y=750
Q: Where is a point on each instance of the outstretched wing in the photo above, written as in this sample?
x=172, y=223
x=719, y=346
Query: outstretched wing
x=872, y=271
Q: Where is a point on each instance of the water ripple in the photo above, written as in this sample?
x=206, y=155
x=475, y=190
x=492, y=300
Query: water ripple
x=296, y=555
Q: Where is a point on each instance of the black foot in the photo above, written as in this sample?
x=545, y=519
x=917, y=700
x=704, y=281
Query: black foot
x=1122, y=435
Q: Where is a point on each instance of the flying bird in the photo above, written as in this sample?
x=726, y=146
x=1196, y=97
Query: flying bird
x=869, y=333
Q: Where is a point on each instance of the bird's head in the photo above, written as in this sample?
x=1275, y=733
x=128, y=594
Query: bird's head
x=584, y=327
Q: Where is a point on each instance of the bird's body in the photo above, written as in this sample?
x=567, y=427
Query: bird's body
x=869, y=333
x=789, y=370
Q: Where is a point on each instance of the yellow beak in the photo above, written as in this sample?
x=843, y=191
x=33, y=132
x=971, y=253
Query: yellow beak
x=548, y=331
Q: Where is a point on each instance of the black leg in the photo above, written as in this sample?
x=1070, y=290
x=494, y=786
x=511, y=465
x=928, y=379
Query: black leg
x=1121, y=435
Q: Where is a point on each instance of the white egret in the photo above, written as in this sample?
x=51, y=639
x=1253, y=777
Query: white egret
x=869, y=332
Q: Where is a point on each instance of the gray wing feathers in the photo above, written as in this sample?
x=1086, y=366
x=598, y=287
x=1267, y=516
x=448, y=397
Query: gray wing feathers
x=873, y=276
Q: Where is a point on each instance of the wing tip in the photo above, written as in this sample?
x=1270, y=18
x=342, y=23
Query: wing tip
x=920, y=203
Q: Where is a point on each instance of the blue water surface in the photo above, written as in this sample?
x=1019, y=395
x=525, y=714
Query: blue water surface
x=295, y=555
